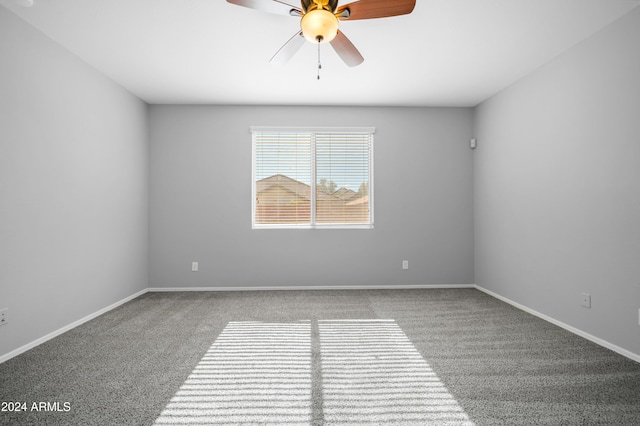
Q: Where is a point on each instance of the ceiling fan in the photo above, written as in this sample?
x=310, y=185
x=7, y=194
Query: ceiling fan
x=319, y=22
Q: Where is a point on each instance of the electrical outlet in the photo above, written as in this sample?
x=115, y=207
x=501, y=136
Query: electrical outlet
x=3, y=316
x=194, y=266
x=405, y=264
x=586, y=300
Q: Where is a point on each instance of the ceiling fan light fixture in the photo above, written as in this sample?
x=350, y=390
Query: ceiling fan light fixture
x=319, y=26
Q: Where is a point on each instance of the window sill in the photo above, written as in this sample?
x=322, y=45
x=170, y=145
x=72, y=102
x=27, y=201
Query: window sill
x=334, y=226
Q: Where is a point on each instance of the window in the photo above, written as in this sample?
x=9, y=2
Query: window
x=339, y=163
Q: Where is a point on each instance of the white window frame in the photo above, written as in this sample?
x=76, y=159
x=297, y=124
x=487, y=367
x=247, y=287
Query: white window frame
x=313, y=131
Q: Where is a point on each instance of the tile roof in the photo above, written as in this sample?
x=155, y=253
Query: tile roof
x=299, y=188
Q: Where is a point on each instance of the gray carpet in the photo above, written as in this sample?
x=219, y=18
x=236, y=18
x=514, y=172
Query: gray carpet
x=397, y=357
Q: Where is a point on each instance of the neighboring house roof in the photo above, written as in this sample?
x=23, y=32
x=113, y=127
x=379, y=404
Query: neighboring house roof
x=292, y=185
x=360, y=200
x=300, y=189
x=344, y=193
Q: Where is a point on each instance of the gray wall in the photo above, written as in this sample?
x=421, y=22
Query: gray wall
x=557, y=187
x=73, y=187
x=200, y=201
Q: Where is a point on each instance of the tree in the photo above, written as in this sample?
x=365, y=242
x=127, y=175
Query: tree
x=364, y=189
x=326, y=186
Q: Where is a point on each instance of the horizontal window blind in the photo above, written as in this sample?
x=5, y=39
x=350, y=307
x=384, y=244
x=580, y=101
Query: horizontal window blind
x=307, y=178
x=283, y=178
x=342, y=178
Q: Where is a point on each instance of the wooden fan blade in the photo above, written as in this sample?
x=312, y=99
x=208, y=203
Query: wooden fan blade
x=346, y=50
x=289, y=49
x=271, y=6
x=368, y=9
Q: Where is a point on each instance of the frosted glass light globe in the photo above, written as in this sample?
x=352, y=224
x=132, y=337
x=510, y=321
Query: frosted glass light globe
x=319, y=25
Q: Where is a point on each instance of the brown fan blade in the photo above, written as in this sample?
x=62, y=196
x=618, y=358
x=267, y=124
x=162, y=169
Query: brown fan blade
x=368, y=9
x=271, y=6
x=346, y=50
x=289, y=49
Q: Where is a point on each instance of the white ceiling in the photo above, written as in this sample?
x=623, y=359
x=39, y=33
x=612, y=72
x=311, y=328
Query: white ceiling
x=446, y=53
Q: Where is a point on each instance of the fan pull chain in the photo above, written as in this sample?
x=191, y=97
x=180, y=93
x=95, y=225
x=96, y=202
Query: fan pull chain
x=319, y=63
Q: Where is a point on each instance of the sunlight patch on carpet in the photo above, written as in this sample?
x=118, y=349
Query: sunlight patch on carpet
x=372, y=374
x=366, y=372
x=254, y=373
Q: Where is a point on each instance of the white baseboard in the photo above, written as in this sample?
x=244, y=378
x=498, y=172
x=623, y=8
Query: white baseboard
x=574, y=330
x=68, y=327
x=321, y=287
